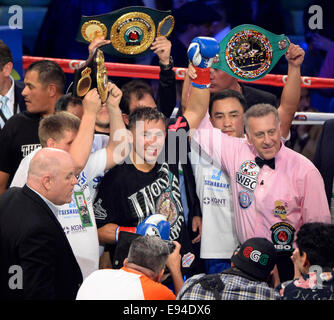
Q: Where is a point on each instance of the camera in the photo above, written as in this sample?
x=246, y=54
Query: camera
x=171, y=246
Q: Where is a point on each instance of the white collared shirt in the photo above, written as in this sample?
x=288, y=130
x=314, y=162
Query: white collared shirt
x=11, y=96
x=11, y=99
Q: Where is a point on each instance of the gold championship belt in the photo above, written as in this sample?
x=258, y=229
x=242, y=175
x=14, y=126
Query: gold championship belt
x=93, y=74
x=249, y=52
x=131, y=30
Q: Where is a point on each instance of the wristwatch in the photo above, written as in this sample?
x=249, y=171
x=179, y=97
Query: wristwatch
x=168, y=66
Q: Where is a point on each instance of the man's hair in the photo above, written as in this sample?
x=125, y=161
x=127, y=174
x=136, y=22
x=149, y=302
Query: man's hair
x=258, y=111
x=5, y=55
x=316, y=239
x=55, y=125
x=65, y=100
x=150, y=252
x=138, y=88
x=145, y=114
x=227, y=93
x=49, y=72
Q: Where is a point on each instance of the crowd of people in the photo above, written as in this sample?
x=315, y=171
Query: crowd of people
x=133, y=198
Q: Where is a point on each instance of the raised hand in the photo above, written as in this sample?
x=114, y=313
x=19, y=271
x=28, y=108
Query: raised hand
x=295, y=55
x=161, y=46
x=92, y=101
x=97, y=43
x=114, y=97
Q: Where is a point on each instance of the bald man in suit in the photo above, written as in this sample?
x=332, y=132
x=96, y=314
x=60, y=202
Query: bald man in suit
x=31, y=236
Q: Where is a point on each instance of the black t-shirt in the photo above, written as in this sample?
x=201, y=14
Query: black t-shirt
x=18, y=138
x=127, y=196
x=315, y=285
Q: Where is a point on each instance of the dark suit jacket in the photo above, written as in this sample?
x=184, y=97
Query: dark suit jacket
x=324, y=156
x=19, y=103
x=31, y=237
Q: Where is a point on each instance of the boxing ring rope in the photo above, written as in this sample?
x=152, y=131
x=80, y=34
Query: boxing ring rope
x=152, y=72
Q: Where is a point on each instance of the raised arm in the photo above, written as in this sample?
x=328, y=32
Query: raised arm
x=201, y=52
x=186, y=87
x=118, y=146
x=291, y=92
x=82, y=144
x=174, y=265
x=166, y=99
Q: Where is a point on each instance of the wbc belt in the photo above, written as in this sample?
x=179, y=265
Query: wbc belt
x=249, y=52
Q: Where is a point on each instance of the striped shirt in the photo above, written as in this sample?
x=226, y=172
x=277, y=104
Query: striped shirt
x=234, y=288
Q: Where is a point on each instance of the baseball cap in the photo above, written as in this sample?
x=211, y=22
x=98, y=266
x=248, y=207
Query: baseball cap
x=256, y=257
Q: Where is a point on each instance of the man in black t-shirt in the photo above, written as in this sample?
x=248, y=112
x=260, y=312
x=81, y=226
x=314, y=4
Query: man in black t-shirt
x=147, y=183
x=44, y=84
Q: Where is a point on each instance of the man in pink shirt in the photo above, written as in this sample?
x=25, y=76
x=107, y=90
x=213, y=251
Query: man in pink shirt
x=275, y=189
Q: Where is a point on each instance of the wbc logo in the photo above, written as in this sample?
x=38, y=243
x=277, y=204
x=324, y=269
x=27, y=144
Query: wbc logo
x=247, y=176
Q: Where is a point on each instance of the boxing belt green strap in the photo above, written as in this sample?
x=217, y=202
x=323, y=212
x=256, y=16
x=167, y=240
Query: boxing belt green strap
x=131, y=30
x=249, y=52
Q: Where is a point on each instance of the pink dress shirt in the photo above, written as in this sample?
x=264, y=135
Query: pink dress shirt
x=267, y=203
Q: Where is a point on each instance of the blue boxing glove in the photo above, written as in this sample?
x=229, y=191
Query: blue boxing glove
x=155, y=225
x=201, y=52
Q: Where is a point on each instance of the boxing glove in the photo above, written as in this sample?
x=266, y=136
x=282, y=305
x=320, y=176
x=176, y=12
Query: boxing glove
x=201, y=52
x=155, y=224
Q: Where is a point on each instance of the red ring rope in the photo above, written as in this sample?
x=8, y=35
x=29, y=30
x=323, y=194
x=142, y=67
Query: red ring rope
x=152, y=72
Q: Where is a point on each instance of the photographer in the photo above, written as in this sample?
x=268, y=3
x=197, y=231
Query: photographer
x=252, y=276
x=140, y=277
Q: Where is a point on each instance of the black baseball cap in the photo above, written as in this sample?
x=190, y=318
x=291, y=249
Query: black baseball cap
x=256, y=257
